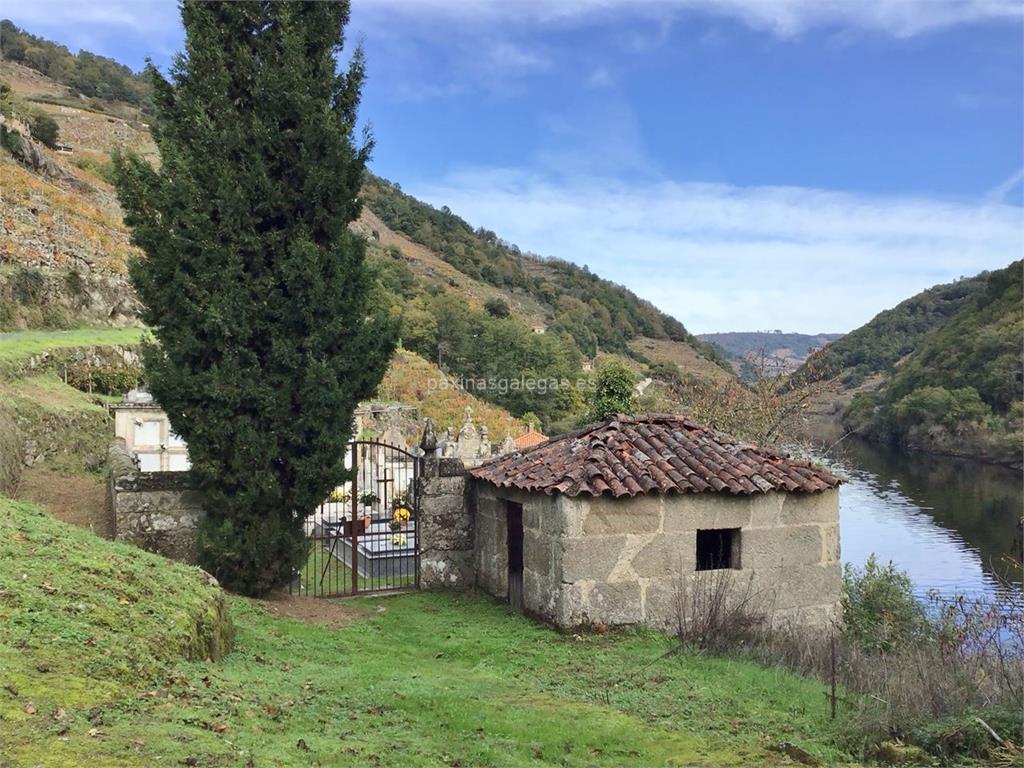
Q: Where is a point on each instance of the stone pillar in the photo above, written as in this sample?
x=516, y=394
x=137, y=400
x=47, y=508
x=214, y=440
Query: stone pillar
x=445, y=524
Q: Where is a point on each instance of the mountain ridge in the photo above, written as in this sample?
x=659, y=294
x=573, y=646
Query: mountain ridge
x=782, y=352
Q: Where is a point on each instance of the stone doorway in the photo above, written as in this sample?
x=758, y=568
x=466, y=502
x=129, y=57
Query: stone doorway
x=514, y=528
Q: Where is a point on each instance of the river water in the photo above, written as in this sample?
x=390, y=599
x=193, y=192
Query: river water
x=951, y=524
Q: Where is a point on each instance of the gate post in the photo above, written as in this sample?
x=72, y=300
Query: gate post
x=354, y=557
x=445, y=529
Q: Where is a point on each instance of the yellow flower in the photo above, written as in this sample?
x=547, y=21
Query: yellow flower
x=401, y=515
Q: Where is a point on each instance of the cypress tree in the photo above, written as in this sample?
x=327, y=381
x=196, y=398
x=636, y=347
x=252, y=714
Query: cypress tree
x=252, y=282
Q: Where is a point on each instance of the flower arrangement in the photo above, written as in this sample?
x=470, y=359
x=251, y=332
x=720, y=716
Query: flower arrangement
x=368, y=499
x=400, y=518
x=398, y=539
x=338, y=495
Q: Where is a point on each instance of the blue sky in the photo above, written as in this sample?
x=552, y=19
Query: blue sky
x=744, y=164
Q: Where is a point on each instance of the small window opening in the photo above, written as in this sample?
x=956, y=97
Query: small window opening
x=718, y=548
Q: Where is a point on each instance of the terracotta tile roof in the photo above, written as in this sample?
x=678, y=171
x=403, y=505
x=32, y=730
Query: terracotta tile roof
x=529, y=439
x=627, y=456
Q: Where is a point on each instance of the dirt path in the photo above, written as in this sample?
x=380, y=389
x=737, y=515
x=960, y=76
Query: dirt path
x=314, y=610
x=77, y=499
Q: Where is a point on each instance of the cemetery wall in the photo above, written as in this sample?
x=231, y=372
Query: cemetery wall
x=158, y=511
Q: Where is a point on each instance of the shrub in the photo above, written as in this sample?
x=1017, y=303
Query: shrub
x=938, y=677
x=614, y=392
x=75, y=284
x=11, y=451
x=938, y=405
x=104, y=379
x=861, y=409
x=497, y=307
x=28, y=286
x=98, y=168
x=715, y=612
x=5, y=98
x=44, y=128
x=880, y=611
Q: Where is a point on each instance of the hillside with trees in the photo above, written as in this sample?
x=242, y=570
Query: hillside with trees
x=87, y=75
x=514, y=330
x=877, y=346
x=947, y=369
x=597, y=314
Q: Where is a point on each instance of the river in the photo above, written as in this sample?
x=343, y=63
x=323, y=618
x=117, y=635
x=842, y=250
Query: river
x=951, y=524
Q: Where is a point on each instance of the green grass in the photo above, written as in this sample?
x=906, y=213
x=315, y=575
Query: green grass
x=19, y=345
x=48, y=391
x=82, y=622
x=66, y=426
x=414, y=680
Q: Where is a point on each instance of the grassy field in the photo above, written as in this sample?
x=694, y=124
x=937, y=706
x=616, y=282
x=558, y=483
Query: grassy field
x=93, y=637
x=21, y=344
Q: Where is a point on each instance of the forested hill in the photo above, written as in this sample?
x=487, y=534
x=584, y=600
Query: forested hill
x=942, y=370
x=598, y=314
x=87, y=75
x=895, y=333
x=469, y=302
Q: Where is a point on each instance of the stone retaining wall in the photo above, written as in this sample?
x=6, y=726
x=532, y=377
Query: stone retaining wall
x=158, y=511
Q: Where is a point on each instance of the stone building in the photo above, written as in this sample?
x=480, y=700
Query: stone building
x=614, y=524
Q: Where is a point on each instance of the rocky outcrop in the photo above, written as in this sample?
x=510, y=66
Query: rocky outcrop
x=29, y=153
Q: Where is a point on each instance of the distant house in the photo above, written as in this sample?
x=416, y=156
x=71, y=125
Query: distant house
x=588, y=365
x=539, y=328
x=529, y=439
x=141, y=424
x=615, y=523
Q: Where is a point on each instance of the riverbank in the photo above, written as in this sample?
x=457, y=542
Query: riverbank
x=830, y=423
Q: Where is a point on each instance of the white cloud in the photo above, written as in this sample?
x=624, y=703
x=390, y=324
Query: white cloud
x=146, y=16
x=784, y=18
x=720, y=257
x=511, y=57
x=1001, y=192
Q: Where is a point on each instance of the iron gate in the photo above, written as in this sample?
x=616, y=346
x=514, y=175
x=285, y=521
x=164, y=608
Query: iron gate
x=364, y=536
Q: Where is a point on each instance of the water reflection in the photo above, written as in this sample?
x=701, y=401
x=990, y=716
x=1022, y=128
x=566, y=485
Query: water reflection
x=952, y=524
